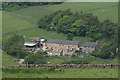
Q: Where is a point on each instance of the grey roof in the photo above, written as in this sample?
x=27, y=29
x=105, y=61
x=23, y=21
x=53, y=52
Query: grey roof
x=89, y=44
x=64, y=42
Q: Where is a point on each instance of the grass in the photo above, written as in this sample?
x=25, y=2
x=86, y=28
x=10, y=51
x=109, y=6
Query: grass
x=93, y=60
x=59, y=73
x=13, y=23
x=37, y=32
x=101, y=9
x=8, y=60
x=28, y=17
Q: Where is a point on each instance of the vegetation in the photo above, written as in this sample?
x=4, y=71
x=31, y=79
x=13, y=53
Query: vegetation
x=8, y=60
x=58, y=73
x=75, y=25
x=12, y=23
x=9, y=6
x=15, y=47
x=83, y=24
x=104, y=11
x=37, y=32
x=37, y=58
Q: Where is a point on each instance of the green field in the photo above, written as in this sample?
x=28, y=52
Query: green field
x=59, y=73
x=8, y=60
x=13, y=23
x=101, y=9
x=54, y=60
x=28, y=17
x=37, y=32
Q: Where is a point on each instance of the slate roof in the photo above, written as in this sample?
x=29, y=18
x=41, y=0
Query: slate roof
x=64, y=42
x=89, y=44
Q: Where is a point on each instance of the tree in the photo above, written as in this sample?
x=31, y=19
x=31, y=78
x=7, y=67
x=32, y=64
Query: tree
x=35, y=59
x=94, y=32
x=15, y=46
x=108, y=29
x=79, y=28
x=65, y=23
x=69, y=36
x=107, y=51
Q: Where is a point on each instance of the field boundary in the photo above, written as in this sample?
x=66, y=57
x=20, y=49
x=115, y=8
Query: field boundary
x=98, y=66
x=20, y=30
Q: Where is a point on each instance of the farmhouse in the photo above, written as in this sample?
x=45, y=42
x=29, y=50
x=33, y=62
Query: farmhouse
x=62, y=47
x=89, y=47
x=65, y=47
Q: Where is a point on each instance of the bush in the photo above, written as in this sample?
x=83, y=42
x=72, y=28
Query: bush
x=35, y=59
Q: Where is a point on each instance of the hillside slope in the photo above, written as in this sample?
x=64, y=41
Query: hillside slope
x=102, y=10
x=8, y=60
x=13, y=23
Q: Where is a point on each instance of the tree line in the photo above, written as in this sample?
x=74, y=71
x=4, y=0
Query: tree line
x=10, y=6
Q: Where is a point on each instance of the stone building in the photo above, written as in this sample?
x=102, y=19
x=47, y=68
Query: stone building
x=62, y=47
x=65, y=47
x=89, y=47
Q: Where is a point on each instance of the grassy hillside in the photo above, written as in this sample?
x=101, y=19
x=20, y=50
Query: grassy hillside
x=8, y=60
x=42, y=34
x=13, y=23
x=104, y=10
x=28, y=17
x=59, y=73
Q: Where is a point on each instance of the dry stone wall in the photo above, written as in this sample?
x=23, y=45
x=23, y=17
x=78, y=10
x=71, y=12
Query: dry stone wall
x=66, y=66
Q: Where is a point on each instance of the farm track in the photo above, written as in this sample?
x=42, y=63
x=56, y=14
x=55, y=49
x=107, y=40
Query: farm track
x=24, y=17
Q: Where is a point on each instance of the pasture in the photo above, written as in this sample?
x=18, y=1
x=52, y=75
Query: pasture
x=37, y=32
x=28, y=17
x=91, y=60
x=104, y=10
x=8, y=60
x=58, y=73
x=13, y=23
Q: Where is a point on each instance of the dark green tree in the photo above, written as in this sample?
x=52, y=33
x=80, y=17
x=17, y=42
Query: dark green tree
x=35, y=59
x=79, y=28
x=70, y=36
x=15, y=46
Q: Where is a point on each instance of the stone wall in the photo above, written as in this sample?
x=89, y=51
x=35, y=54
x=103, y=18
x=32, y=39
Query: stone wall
x=97, y=66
